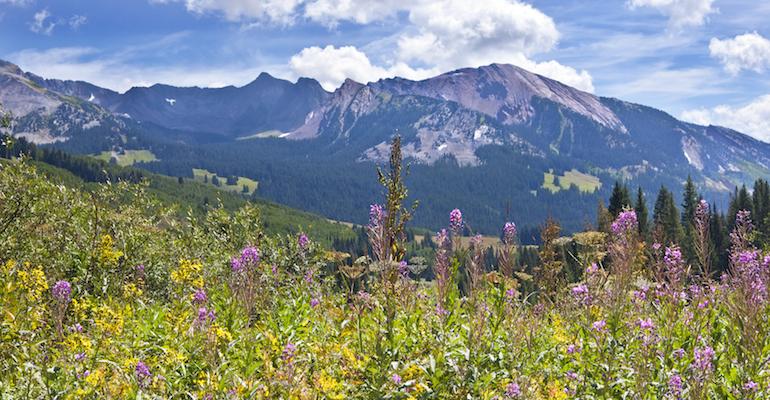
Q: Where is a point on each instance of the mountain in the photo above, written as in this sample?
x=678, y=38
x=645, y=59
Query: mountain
x=264, y=105
x=542, y=117
x=491, y=140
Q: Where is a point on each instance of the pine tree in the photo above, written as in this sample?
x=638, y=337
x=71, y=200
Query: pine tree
x=761, y=206
x=666, y=217
x=739, y=201
x=642, y=215
x=215, y=180
x=689, y=202
x=620, y=197
x=205, y=179
x=720, y=240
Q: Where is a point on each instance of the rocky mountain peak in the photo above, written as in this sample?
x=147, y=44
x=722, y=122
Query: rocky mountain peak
x=503, y=91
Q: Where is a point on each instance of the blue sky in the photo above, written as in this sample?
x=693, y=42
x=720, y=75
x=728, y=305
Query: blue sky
x=704, y=61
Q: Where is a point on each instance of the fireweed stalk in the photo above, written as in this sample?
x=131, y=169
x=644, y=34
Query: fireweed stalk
x=748, y=278
x=61, y=295
x=246, y=282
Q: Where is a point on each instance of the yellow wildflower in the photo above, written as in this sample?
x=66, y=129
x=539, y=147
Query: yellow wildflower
x=222, y=333
x=188, y=274
x=130, y=291
x=108, y=321
x=107, y=256
x=33, y=281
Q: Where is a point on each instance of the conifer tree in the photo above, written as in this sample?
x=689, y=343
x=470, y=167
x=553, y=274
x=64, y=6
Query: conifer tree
x=720, y=241
x=642, y=215
x=603, y=218
x=761, y=204
x=620, y=197
x=689, y=202
x=666, y=216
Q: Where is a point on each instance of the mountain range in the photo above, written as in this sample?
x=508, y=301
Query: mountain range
x=500, y=131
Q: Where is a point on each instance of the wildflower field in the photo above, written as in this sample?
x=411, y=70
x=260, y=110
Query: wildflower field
x=104, y=296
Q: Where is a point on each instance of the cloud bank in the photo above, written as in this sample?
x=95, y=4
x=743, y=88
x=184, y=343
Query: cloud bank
x=753, y=119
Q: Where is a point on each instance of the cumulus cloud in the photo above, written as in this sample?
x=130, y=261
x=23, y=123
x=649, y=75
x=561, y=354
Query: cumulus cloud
x=456, y=32
x=38, y=26
x=331, y=66
x=748, y=51
x=753, y=119
x=681, y=13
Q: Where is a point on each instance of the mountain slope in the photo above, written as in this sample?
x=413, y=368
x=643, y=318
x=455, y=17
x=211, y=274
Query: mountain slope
x=266, y=104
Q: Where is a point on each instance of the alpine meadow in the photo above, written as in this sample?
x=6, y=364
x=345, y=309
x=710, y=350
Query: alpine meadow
x=400, y=200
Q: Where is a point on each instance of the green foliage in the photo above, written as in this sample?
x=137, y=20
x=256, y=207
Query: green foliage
x=177, y=327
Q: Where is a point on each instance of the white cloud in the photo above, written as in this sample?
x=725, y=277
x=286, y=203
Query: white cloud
x=331, y=66
x=39, y=25
x=753, y=119
x=748, y=51
x=117, y=72
x=456, y=32
x=681, y=13
x=329, y=12
x=281, y=11
x=77, y=20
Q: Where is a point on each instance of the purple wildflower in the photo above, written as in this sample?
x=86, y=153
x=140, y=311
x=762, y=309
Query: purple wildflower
x=512, y=390
x=509, y=231
x=626, y=224
x=199, y=298
x=61, y=292
x=675, y=385
x=143, y=374
x=571, y=349
x=314, y=302
x=303, y=241
x=403, y=269
x=309, y=276
x=396, y=378
x=289, y=351
x=140, y=271
x=703, y=357
x=646, y=324
x=456, y=222
x=599, y=325
x=751, y=385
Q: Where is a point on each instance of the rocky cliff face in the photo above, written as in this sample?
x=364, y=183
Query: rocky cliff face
x=45, y=116
x=504, y=92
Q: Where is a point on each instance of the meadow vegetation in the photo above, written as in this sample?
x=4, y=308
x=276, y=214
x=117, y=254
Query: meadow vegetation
x=104, y=294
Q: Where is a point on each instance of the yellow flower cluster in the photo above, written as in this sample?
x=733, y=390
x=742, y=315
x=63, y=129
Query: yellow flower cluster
x=34, y=282
x=188, y=274
x=108, y=321
x=81, y=308
x=329, y=387
x=130, y=291
x=107, y=256
x=222, y=334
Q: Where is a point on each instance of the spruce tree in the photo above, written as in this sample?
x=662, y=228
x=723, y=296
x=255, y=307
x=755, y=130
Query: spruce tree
x=761, y=206
x=620, y=197
x=689, y=202
x=666, y=216
x=642, y=215
x=720, y=241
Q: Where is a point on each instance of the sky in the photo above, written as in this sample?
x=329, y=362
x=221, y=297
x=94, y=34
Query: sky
x=702, y=61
